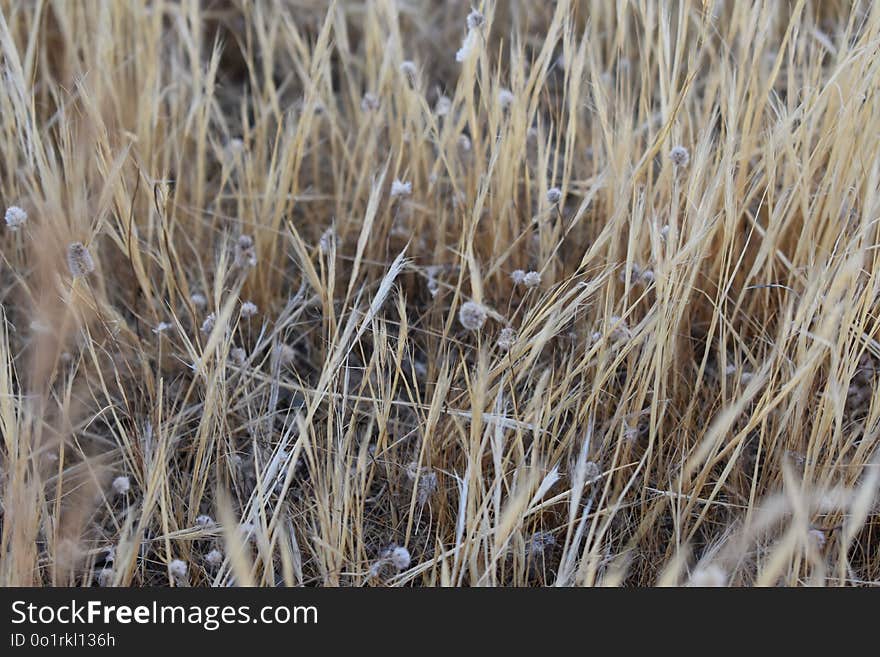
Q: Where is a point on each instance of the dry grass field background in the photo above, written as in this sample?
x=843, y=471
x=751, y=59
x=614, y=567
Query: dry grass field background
x=420, y=293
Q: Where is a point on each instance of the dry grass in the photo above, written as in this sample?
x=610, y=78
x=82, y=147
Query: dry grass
x=690, y=392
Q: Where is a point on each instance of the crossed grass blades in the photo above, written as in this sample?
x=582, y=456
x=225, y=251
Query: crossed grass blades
x=424, y=293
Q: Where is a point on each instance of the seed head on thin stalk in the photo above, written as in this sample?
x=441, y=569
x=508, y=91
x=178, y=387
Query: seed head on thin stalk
x=475, y=20
x=708, y=576
x=506, y=339
x=472, y=316
x=248, y=309
x=79, y=260
x=15, y=217
x=214, y=558
x=532, y=280
x=443, y=106
x=505, y=98
x=205, y=521
x=401, y=188
x=178, y=569
x=121, y=485
x=370, y=102
x=162, y=327
x=680, y=156
x=409, y=70
x=208, y=324
x=245, y=252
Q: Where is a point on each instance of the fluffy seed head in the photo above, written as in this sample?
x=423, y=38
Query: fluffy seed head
x=408, y=68
x=505, y=98
x=400, y=188
x=15, y=217
x=475, y=20
x=205, y=521
x=370, y=102
x=161, y=327
x=506, y=339
x=709, y=576
x=472, y=316
x=518, y=276
x=468, y=46
x=532, y=279
x=554, y=195
x=248, y=309
x=245, y=252
x=214, y=558
x=680, y=156
x=443, y=106
x=198, y=300
x=208, y=324
x=399, y=557
x=177, y=568
x=121, y=485
x=79, y=260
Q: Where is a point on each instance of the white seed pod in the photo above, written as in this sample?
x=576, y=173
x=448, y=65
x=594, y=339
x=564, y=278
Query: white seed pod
x=162, y=327
x=370, y=102
x=205, y=521
x=15, y=217
x=475, y=20
x=245, y=252
x=443, y=106
x=248, y=309
x=472, y=316
x=121, y=485
x=208, y=324
x=408, y=68
x=214, y=558
x=709, y=576
x=506, y=339
x=680, y=156
x=518, y=276
x=400, y=188
x=178, y=569
x=399, y=557
x=532, y=279
x=79, y=260
x=505, y=98
x=468, y=46
x=554, y=195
